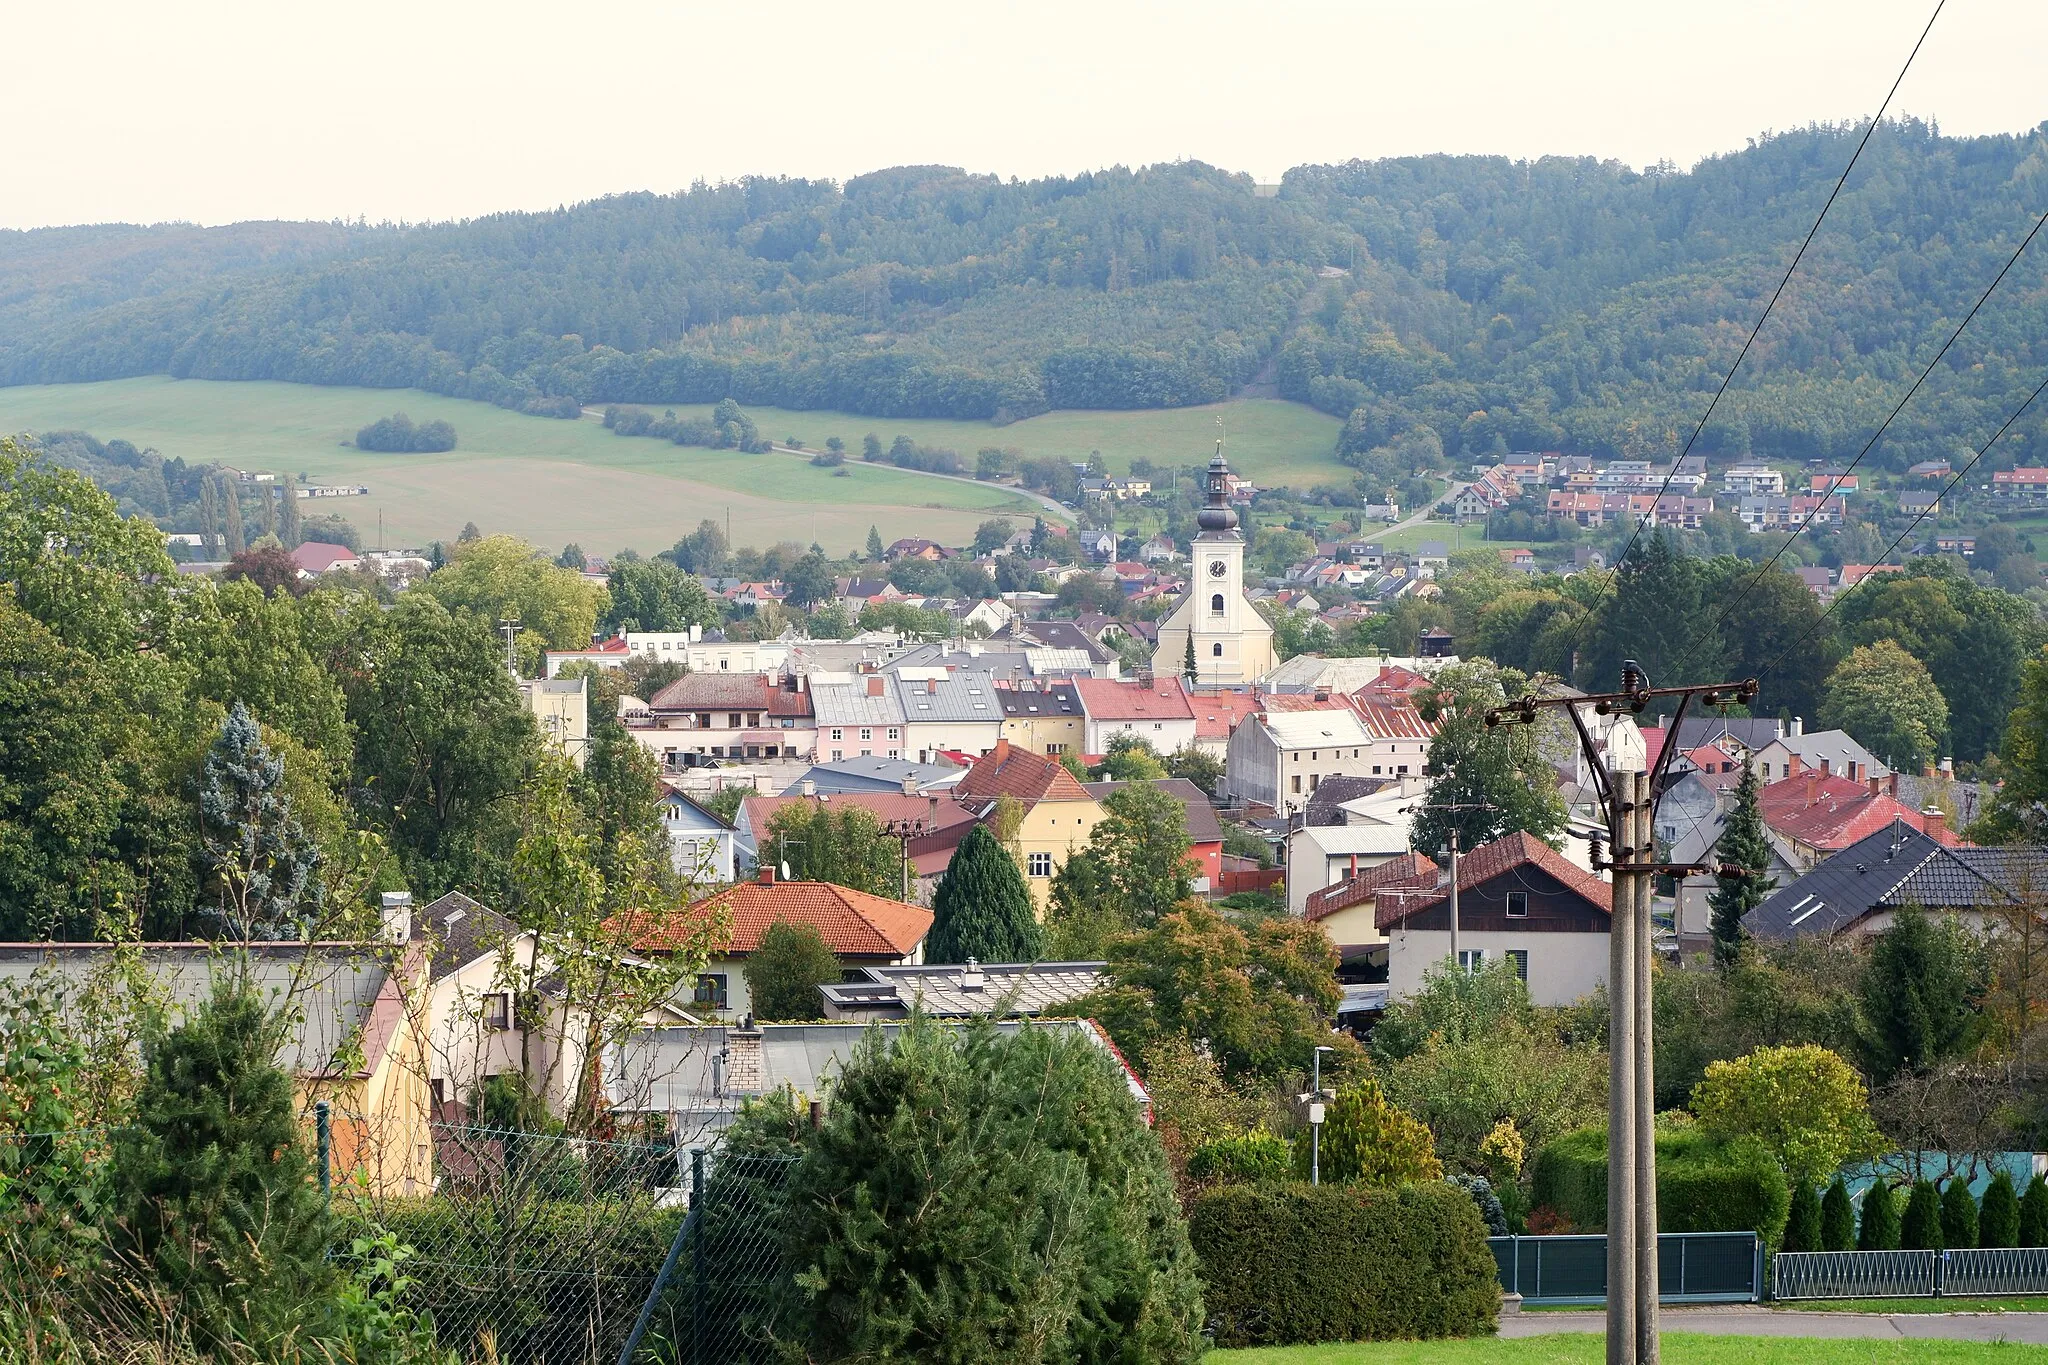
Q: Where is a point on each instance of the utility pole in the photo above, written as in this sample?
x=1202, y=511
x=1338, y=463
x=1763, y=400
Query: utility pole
x=1626, y=783
x=511, y=629
x=1455, y=807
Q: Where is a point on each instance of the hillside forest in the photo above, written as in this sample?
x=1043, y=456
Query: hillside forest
x=1482, y=303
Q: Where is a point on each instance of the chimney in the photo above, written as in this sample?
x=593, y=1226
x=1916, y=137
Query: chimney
x=1875, y=787
x=874, y=684
x=1891, y=786
x=1798, y=727
x=1826, y=767
x=1928, y=770
x=972, y=979
x=765, y=874
x=1934, y=820
x=1001, y=753
x=910, y=784
x=696, y=633
x=1948, y=767
x=1855, y=776
x=808, y=787
x=931, y=687
x=395, y=916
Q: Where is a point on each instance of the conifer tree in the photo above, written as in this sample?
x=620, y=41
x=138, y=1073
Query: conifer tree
x=785, y=970
x=1744, y=845
x=288, y=528
x=1187, y=666
x=217, y=1198
x=231, y=511
x=1802, y=1220
x=1920, y=1229
x=1837, y=1218
x=265, y=867
x=982, y=908
x=1998, y=1220
x=209, y=519
x=1958, y=1216
x=269, y=509
x=2034, y=1214
x=1878, y=1230
x=874, y=545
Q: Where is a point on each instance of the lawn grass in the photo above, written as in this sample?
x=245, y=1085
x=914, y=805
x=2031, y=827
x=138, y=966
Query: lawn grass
x=1680, y=1348
x=552, y=481
x=1960, y=1304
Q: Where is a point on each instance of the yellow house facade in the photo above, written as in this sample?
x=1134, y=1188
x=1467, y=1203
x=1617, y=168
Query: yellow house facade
x=1047, y=719
x=1055, y=813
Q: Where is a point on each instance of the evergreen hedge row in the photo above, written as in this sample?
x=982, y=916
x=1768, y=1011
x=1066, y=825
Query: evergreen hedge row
x=1704, y=1184
x=1293, y=1263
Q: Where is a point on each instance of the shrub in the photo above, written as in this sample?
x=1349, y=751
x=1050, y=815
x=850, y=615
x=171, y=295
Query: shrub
x=1705, y=1183
x=1837, y=1218
x=1920, y=1229
x=1486, y=1201
x=1998, y=1221
x=397, y=433
x=1878, y=1230
x=1242, y=1160
x=2034, y=1214
x=785, y=970
x=1805, y=1104
x=1368, y=1140
x=1298, y=1263
x=1958, y=1216
x=1802, y=1220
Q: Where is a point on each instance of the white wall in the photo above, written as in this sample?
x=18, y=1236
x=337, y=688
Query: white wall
x=971, y=737
x=1164, y=736
x=1563, y=967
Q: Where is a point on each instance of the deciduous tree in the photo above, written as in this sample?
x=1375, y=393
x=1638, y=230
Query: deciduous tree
x=785, y=970
x=1887, y=699
x=1805, y=1104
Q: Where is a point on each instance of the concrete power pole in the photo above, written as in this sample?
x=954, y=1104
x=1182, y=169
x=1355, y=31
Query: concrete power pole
x=1627, y=783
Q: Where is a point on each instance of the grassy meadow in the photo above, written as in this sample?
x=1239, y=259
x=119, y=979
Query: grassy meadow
x=552, y=481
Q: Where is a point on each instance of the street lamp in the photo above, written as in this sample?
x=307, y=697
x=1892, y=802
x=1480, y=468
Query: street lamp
x=1315, y=1117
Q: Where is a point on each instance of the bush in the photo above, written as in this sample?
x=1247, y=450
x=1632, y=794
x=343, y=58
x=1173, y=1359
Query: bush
x=398, y=434
x=1838, y=1218
x=1288, y=1263
x=1486, y=1201
x=1878, y=1230
x=1704, y=1183
x=1802, y=1220
x=1920, y=1229
x=785, y=970
x=1242, y=1160
x=1958, y=1216
x=1368, y=1140
x=2034, y=1214
x=1998, y=1221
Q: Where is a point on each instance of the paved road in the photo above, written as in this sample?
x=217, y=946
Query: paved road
x=1420, y=517
x=1739, y=1320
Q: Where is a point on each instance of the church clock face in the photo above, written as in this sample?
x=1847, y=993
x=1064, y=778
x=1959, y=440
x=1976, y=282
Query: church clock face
x=1217, y=568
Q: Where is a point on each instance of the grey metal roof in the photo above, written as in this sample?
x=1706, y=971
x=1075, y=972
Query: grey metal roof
x=851, y=704
x=1699, y=730
x=872, y=774
x=961, y=696
x=1007, y=988
x=1048, y=699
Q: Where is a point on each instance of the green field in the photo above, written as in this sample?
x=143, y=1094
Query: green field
x=551, y=481
x=1679, y=1348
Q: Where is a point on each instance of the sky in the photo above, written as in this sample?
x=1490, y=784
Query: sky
x=217, y=111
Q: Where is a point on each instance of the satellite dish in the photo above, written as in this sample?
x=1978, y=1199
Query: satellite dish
x=785, y=871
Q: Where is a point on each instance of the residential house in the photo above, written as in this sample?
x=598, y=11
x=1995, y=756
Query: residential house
x=929, y=824
x=1752, y=480
x=871, y=774
x=1833, y=481
x=1346, y=909
x=948, y=711
x=1311, y=673
x=1217, y=713
x=1859, y=889
x=1057, y=812
x=710, y=654
x=1278, y=757
x=1045, y=718
x=732, y=716
x=860, y=929
x=1205, y=831
x=1820, y=815
x=1399, y=736
x=561, y=708
x=700, y=844
x=863, y=718
x=913, y=547
x=1492, y=490
x=697, y=1077
x=1929, y=469
x=612, y=653
x=1920, y=504
x=1431, y=558
x=1099, y=659
x=1518, y=900
x=961, y=991
x=1100, y=546
x=1521, y=558
x=1156, y=712
x=2026, y=482
x=1159, y=550
x=316, y=557
x=1827, y=752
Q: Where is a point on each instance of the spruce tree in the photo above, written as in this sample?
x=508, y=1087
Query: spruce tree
x=1837, y=1218
x=1920, y=1229
x=874, y=545
x=2034, y=1214
x=1802, y=1222
x=1998, y=1220
x=216, y=1196
x=1742, y=844
x=264, y=867
x=982, y=908
x=1187, y=666
x=1958, y=1216
x=1878, y=1230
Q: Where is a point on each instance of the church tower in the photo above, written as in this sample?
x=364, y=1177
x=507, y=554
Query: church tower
x=1232, y=643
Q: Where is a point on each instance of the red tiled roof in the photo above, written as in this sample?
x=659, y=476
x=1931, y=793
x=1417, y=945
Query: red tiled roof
x=852, y=923
x=1012, y=770
x=937, y=817
x=319, y=556
x=1217, y=713
x=1409, y=868
x=1492, y=860
x=1304, y=701
x=1830, y=813
x=1391, y=717
x=1106, y=700
x=731, y=692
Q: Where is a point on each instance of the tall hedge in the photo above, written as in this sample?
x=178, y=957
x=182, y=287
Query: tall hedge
x=1920, y=1229
x=1998, y=1222
x=2034, y=1214
x=1295, y=1263
x=1878, y=1228
x=1838, y=1218
x=1704, y=1183
x=1958, y=1216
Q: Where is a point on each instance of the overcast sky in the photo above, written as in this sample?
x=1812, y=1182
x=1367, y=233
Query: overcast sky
x=220, y=110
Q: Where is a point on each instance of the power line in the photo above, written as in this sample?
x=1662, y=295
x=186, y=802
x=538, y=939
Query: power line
x=1679, y=459
x=1911, y=526
x=1728, y=607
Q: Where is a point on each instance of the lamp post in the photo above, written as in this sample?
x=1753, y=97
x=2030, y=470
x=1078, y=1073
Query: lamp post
x=1315, y=1117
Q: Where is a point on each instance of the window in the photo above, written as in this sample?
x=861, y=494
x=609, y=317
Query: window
x=1518, y=905
x=1295, y=783
x=497, y=1008
x=866, y=733
x=732, y=720
x=838, y=754
x=1375, y=770
x=1055, y=750
x=1519, y=959
x=1039, y=864
x=866, y=752
x=1314, y=780
x=838, y=733
x=1471, y=959
x=711, y=990
x=1217, y=649
x=1216, y=604
x=893, y=734
x=725, y=663
x=1402, y=769
x=1158, y=725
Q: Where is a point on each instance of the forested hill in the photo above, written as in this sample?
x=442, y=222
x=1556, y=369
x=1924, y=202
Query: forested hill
x=1561, y=303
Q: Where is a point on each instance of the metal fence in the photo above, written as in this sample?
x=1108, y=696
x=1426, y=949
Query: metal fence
x=1692, y=1267
x=1908, y=1274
